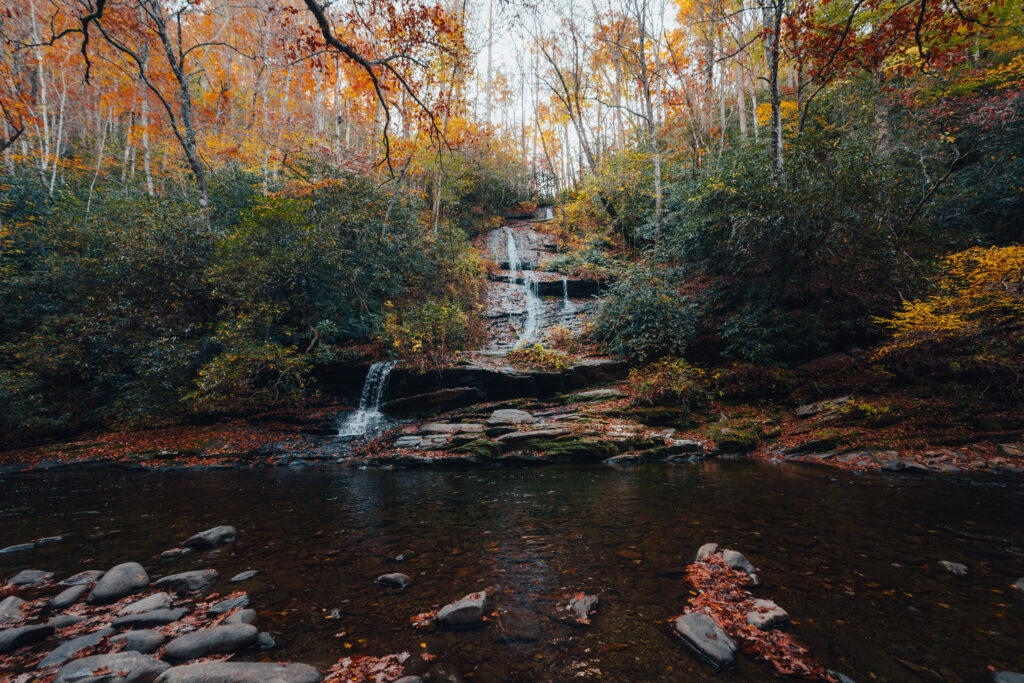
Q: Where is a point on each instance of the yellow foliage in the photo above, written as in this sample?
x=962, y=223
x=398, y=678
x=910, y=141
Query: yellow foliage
x=980, y=290
x=790, y=113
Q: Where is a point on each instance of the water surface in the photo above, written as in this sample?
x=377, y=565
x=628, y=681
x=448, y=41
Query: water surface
x=851, y=557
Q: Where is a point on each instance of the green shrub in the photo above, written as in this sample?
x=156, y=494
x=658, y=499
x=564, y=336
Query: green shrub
x=425, y=334
x=536, y=357
x=669, y=381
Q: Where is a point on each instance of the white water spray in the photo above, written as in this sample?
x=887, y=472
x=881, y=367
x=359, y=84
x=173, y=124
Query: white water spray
x=368, y=417
x=567, y=305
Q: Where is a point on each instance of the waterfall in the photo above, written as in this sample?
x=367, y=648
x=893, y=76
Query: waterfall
x=513, y=253
x=533, y=307
x=368, y=417
x=567, y=304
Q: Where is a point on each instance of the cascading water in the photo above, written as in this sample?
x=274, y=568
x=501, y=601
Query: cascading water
x=567, y=305
x=513, y=253
x=528, y=281
x=368, y=417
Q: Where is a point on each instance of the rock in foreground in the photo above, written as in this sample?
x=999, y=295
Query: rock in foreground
x=122, y=667
x=210, y=641
x=707, y=638
x=241, y=672
x=122, y=580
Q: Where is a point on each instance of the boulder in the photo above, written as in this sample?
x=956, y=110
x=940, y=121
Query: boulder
x=244, y=576
x=211, y=538
x=147, y=604
x=955, y=568
x=210, y=641
x=124, y=667
x=465, y=613
x=242, y=616
x=706, y=637
x=156, y=617
x=143, y=641
x=241, y=672
x=119, y=581
x=737, y=561
x=706, y=551
x=10, y=608
x=510, y=416
x=19, y=548
x=83, y=578
x=12, y=639
x=395, y=580
x=516, y=624
x=30, y=577
x=68, y=650
x=68, y=597
x=188, y=582
x=225, y=606
x=766, y=614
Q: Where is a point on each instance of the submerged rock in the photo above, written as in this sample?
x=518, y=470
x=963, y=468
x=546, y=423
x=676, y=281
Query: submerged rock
x=19, y=548
x=510, y=416
x=242, y=616
x=157, y=617
x=265, y=641
x=465, y=613
x=188, y=582
x=1007, y=677
x=64, y=620
x=10, y=608
x=1018, y=585
x=244, y=576
x=143, y=641
x=241, y=672
x=211, y=538
x=130, y=667
x=175, y=553
x=12, y=639
x=210, y=641
x=955, y=568
x=147, y=604
x=395, y=580
x=516, y=624
x=30, y=577
x=766, y=614
x=83, y=578
x=442, y=672
x=119, y=581
x=707, y=638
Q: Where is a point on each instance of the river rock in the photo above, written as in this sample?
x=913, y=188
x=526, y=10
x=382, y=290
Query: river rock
x=156, y=617
x=68, y=650
x=265, y=641
x=582, y=605
x=210, y=641
x=175, y=553
x=516, y=624
x=395, y=580
x=211, y=538
x=766, y=614
x=144, y=641
x=19, y=548
x=30, y=577
x=242, y=616
x=1007, y=677
x=707, y=638
x=10, y=609
x=1018, y=586
x=510, y=416
x=13, y=638
x=465, y=613
x=68, y=597
x=122, y=580
x=188, y=582
x=241, y=672
x=604, y=394
x=737, y=561
x=83, y=578
x=147, y=604
x=955, y=568
x=127, y=667
x=225, y=606
x=64, y=620
x=442, y=672
x=706, y=551
x=244, y=576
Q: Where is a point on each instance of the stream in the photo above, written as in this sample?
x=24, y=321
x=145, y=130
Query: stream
x=851, y=557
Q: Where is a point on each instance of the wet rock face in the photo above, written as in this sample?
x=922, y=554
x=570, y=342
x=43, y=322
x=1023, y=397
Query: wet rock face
x=210, y=641
x=133, y=667
x=465, y=613
x=211, y=538
x=707, y=638
x=122, y=580
x=241, y=672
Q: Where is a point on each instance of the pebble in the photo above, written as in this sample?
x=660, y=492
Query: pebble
x=19, y=548
x=83, y=578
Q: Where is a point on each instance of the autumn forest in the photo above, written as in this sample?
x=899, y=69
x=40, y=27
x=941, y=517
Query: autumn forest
x=706, y=250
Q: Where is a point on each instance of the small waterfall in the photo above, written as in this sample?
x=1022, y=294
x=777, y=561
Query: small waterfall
x=549, y=213
x=533, y=308
x=567, y=305
x=368, y=417
x=513, y=253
